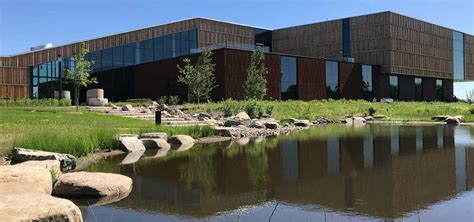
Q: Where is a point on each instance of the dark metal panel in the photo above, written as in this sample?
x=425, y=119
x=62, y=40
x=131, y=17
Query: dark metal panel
x=448, y=90
x=311, y=78
x=406, y=86
x=350, y=80
x=381, y=84
x=429, y=89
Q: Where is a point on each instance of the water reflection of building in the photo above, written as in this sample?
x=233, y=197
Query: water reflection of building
x=388, y=172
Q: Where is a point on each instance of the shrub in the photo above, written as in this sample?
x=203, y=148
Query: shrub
x=229, y=107
x=34, y=102
x=471, y=110
x=173, y=100
x=162, y=100
x=371, y=111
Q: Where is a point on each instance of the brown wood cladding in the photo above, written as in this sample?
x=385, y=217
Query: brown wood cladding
x=14, y=82
x=350, y=80
x=210, y=32
x=311, y=79
x=469, y=56
x=322, y=39
x=236, y=64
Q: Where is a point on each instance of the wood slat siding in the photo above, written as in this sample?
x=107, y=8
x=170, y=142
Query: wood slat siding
x=322, y=39
x=311, y=78
x=14, y=82
x=420, y=48
x=350, y=80
x=214, y=32
x=469, y=56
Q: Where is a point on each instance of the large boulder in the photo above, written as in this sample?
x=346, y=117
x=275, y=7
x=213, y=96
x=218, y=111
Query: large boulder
x=86, y=184
x=53, y=166
x=128, y=107
x=203, y=116
x=242, y=116
x=459, y=117
x=131, y=144
x=25, y=179
x=302, y=123
x=439, y=118
x=271, y=125
x=452, y=120
x=256, y=124
x=68, y=162
x=227, y=132
x=37, y=207
x=180, y=139
x=355, y=121
x=132, y=157
x=232, y=122
x=154, y=135
x=155, y=144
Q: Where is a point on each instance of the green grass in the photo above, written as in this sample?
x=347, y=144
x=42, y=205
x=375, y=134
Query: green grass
x=60, y=129
x=337, y=109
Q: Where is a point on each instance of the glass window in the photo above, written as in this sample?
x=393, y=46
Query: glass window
x=332, y=80
x=439, y=90
x=176, y=44
x=138, y=48
x=148, y=50
x=167, y=47
x=184, y=43
x=118, y=56
x=418, y=89
x=158, y=48
x=96, y=57
x=42, y=70
x=393, y=87
x=458, y=55
x=192, y=40
x=289, y=86
x=129, y=54
x=346, y=36
x=107, y=59
x=367, y=92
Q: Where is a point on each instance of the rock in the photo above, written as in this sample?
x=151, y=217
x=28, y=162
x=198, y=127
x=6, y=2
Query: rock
x=355, y=121
x=242, y=116
x=50, y=165
x=131, y=144
x=321, y=120
x=256, y=124
x=232, y=122
x=204, y=115
x=68, y=162
x=180, y=139
x=95, y=93
x=97, y=102
x=37, y=207
x=302, y=123
x=291, y=120
x=369, y=118
x=380, y=116
x=286, y=125
x=83, y=184
x=271, y=125
x=25, y=179
x=243, y=141
x=113, y=106
x=128, y=107
x=452, y=120
x=227, y=132
x=132, y=157
x=155, y=144
x=459, y=117
x=439, y=118
x=154, y=135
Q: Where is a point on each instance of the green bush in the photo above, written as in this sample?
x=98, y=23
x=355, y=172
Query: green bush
x=173, y=100
x=229, y=107
x=34, y=102
x=371, y=111
x=471, y=110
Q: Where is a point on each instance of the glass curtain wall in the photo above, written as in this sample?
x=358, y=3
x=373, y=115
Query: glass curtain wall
x=332, y=80
x=393, y=87
x=45, y=75
x=289, y=87
x=367, y=90
x=418, y=89
x=458, y=55
x=439, y=90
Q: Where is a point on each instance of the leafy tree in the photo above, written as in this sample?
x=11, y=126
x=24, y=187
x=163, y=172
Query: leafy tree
x=80, y=74
x=255, y=86
x=199, y=78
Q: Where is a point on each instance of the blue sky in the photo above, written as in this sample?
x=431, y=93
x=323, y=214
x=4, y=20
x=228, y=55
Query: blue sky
x=26, y=23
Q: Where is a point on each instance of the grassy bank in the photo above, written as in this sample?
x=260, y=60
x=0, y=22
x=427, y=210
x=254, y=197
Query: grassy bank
x=337, y=109
x=60, y=129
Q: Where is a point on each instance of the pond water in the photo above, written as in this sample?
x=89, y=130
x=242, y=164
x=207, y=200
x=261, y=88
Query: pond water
x=333, y=173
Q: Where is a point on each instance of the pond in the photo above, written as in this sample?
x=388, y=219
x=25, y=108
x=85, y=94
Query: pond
x=332, y=173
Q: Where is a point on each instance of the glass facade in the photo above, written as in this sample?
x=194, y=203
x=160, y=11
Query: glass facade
x=367, y=89
x=332, y=80
x=393, y=87
x=263, y=38
x=45, y=75
x=418, y=89
x=439, y=89
x=346, y=37
x=458, y=55
x=289, y=86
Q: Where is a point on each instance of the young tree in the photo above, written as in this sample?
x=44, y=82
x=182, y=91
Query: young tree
x=255, y=86
x=199, y=78
x=470, y=96
x=80, y=74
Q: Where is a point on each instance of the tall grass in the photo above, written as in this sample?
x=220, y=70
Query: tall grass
x=34, y=102
x=336, y=109
x=60, y=129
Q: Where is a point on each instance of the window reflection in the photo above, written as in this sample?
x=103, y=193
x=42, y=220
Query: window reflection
x=439, y=89
x=289, y=86
x=418, y=89
x=393, y=87
x=332, y=80
x=458, y=55
x=367, y=92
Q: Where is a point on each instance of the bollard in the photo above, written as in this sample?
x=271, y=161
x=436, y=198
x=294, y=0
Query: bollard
x=157, y=117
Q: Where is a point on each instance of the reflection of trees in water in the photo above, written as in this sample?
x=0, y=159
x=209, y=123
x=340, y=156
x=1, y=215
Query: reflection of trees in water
x=257, y=164
x=199, y=170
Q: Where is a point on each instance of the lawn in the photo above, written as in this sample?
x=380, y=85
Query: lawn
x=337, y=109
x=60, y=129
